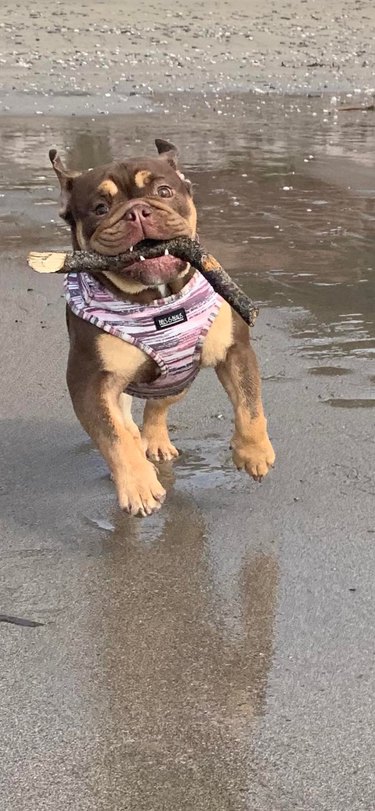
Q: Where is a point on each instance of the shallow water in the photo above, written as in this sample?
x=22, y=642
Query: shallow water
x=284, y=191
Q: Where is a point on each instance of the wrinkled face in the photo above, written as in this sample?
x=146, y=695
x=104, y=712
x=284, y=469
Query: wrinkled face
x=112, y=208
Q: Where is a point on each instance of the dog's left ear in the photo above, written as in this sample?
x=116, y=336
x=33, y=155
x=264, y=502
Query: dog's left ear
x=167, y=151
x=65, y=178
x=170, y=153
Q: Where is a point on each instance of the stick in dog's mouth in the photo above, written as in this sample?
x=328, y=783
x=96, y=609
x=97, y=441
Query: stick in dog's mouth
x=182, y=248
x=152, y=263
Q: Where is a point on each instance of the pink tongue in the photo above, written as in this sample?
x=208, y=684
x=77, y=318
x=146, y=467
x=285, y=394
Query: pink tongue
x=160, y=269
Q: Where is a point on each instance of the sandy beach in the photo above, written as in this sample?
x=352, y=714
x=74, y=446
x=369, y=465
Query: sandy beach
x=110, y=57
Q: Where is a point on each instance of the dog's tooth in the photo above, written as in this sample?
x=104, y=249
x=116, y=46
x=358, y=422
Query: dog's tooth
x=131, y=249
x=166, y=252
x=142, y=258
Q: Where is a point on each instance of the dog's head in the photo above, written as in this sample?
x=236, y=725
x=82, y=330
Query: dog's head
x=112, y=208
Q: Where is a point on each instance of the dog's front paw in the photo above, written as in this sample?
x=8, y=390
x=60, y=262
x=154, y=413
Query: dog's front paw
x=142, y=493
x=256, y=458
x=158, y=446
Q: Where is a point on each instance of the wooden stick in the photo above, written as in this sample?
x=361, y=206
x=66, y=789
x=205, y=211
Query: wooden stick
x=186, y=249
x=20, y=621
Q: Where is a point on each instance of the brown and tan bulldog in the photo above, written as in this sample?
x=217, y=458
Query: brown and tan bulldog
x=109, y=209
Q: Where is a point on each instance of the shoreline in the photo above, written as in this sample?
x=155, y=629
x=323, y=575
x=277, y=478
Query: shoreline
x=23, y=106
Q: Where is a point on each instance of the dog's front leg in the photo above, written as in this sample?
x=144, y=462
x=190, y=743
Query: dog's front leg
x=96, y=401
x=238, y=373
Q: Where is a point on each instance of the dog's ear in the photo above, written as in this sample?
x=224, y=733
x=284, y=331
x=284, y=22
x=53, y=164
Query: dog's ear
x=167, y=151
x=65, y=179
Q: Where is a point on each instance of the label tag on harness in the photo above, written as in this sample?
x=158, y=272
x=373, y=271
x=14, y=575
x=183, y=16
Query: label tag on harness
x=170, y=320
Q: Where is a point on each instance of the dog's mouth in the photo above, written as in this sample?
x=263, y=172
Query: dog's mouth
x=159, y=270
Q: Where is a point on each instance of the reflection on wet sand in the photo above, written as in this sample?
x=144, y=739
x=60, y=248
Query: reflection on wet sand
x=158, y=634
x=180, y=689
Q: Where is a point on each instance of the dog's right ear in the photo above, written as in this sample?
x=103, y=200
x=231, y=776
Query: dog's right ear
x=65, y=179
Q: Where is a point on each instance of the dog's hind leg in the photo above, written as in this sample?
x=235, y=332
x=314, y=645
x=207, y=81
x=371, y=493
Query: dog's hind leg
x=155, y=436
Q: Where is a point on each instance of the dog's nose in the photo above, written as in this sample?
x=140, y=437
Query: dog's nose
x=138, y=213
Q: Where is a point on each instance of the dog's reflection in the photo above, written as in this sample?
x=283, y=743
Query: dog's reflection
x=184, y=658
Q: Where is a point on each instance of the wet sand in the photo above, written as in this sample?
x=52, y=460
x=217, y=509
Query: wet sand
x=217, y=655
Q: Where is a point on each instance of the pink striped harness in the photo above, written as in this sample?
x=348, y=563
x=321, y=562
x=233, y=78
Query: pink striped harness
x=170, y=330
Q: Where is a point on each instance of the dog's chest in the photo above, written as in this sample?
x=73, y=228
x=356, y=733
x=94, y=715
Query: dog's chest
x=169, y=331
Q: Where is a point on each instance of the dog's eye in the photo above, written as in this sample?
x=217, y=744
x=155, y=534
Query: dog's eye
x=101, y=209
x=164, y=191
